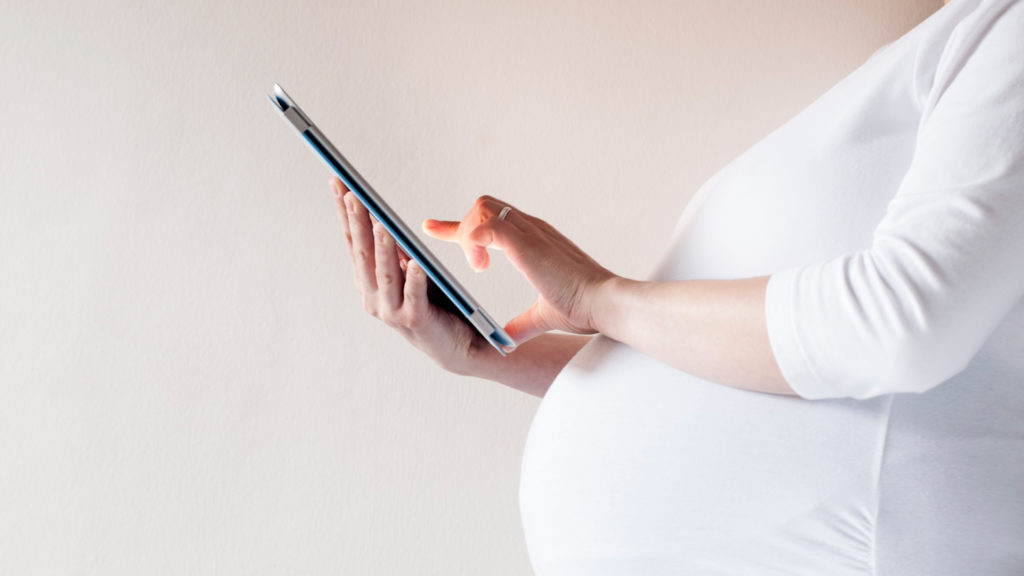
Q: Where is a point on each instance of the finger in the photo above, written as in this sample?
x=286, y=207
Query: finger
x=527, y=325
x=362, y=245
x=339, y=203
x=441, y=229
x=485, y=211
x=495, y=233
x=415, y=295
x=476, y=253
x=403, y=260
x=338, y=187
x=389, y=274
x=450, y=231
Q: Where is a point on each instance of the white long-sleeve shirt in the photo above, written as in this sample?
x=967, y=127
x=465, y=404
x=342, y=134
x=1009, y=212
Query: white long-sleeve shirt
x=890, y=215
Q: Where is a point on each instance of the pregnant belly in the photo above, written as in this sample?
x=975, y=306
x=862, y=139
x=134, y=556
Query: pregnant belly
x=632, y=467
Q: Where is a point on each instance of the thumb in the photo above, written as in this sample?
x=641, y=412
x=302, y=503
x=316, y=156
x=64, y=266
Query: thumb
x=527, y=325
x=441, y=229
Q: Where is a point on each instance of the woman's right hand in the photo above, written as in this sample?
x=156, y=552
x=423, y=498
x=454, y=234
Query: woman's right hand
x=394, y=289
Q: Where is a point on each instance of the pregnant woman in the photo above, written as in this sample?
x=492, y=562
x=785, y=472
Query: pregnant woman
x=824, y=376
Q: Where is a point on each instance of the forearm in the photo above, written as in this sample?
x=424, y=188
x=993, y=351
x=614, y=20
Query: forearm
x=713, y=329
x=533, y=365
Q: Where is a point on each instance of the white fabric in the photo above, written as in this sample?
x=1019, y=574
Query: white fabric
x=890, y=214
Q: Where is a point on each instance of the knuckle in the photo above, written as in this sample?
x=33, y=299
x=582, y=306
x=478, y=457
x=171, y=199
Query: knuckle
x=485, y=204
x=414, y=319
x=388, y=317
x=482, y=232
x=370, y=305
x=414, y=323
x=385, y=279
x=362, y=256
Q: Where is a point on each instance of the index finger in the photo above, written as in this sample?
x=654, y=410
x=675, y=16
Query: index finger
x=442, y=229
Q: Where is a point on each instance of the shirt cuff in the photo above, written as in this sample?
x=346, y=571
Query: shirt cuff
x=781, y=300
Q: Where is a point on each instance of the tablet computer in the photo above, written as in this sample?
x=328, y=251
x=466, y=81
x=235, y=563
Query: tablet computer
x=441, y=279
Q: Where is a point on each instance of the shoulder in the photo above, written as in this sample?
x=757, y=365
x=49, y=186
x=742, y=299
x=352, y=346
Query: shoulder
x=982, y=60
x=986, y=27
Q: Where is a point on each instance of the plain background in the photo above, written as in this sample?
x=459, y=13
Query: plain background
x=188, y=382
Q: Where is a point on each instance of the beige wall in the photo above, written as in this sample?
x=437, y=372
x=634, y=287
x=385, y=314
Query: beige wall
x=186, y=374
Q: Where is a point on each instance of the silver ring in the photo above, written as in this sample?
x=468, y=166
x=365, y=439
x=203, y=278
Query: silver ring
x=504, y=212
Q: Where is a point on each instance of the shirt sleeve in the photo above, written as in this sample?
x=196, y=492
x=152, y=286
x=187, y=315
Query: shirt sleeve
x=946, y=263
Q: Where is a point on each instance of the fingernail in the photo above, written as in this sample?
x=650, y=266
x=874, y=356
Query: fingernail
x=349, y=206
x=336, y=188
x=378, y=232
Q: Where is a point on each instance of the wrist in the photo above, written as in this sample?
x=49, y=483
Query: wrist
x=479, y=361
x=530, y=368
x=609, y=302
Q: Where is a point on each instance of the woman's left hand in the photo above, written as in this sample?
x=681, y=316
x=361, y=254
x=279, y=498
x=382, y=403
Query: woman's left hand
x=566, y=278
